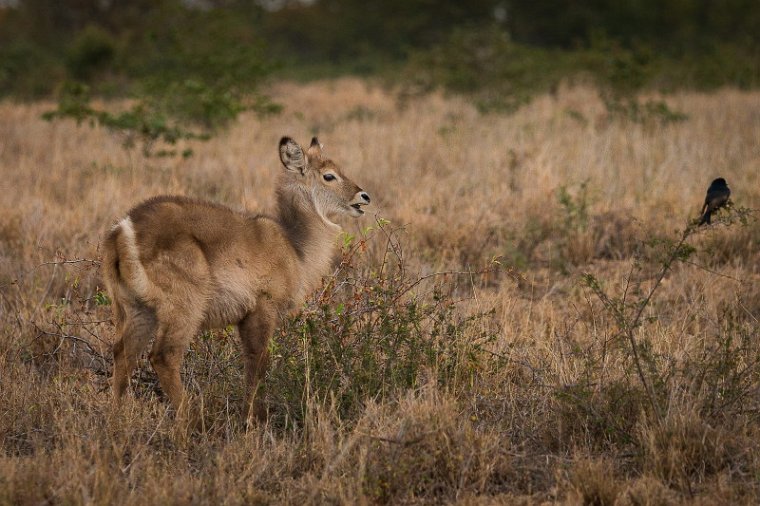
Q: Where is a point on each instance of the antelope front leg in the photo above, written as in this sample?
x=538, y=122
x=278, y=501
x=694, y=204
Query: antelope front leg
x=255, y=331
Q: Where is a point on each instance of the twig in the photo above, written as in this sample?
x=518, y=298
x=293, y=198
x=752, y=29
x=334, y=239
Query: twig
x=749, y=313
x=54, y=263
x=702, y=267
x=635, y=323
x=402, y=442
x=102, y=370
x=73, y=261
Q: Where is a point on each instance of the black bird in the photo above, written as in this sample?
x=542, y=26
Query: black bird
x=717, y=197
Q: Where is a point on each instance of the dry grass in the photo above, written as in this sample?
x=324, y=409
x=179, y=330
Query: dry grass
x=560, y=416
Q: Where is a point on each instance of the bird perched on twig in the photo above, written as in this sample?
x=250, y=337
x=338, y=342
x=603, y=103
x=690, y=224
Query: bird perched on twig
x=717, y=197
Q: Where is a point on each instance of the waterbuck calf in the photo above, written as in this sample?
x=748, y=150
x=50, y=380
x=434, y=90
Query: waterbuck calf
x=175, y=266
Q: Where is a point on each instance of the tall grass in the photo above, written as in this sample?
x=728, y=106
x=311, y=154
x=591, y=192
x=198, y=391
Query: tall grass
x=518, y=322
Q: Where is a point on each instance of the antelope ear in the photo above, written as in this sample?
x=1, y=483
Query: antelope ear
x=315, y=149
x=291, y=155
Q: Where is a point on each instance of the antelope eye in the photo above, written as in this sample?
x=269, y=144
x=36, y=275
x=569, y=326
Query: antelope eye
x=328, y=177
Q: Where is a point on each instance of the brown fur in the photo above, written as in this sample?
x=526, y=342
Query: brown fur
x=176, y=265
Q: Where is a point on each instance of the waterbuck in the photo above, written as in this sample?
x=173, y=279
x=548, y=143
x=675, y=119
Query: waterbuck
x=175, y=266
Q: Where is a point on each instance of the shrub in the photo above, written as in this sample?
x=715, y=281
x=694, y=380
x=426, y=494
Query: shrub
x=190, y=73
x=374, y=332
x=28, y=70
x=92, y=50
x=499, y=74
x=606, y=408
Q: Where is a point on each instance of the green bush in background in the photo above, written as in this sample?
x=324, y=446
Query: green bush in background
x=199, y=63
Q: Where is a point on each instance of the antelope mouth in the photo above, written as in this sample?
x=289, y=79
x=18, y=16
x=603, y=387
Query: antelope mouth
x=357, y=207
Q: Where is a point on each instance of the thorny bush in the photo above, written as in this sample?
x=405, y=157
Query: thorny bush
x=374, y=331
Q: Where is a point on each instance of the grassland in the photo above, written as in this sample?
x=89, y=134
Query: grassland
x=538, y=369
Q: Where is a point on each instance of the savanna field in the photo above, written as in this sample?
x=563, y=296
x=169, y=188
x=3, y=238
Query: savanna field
x=524, y=315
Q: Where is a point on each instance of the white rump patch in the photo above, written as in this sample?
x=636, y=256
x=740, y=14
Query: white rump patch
x=132, y=269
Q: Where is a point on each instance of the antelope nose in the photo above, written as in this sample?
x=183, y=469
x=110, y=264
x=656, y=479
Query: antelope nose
x=364, y=196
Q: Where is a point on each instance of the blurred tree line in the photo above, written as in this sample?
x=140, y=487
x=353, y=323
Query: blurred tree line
x=202, y=60
x=711, y=42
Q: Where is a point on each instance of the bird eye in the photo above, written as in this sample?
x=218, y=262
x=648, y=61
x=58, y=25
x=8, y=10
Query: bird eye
x=328, y=177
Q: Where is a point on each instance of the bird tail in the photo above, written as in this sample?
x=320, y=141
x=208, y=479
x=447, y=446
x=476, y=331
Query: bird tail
x=705, y=218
